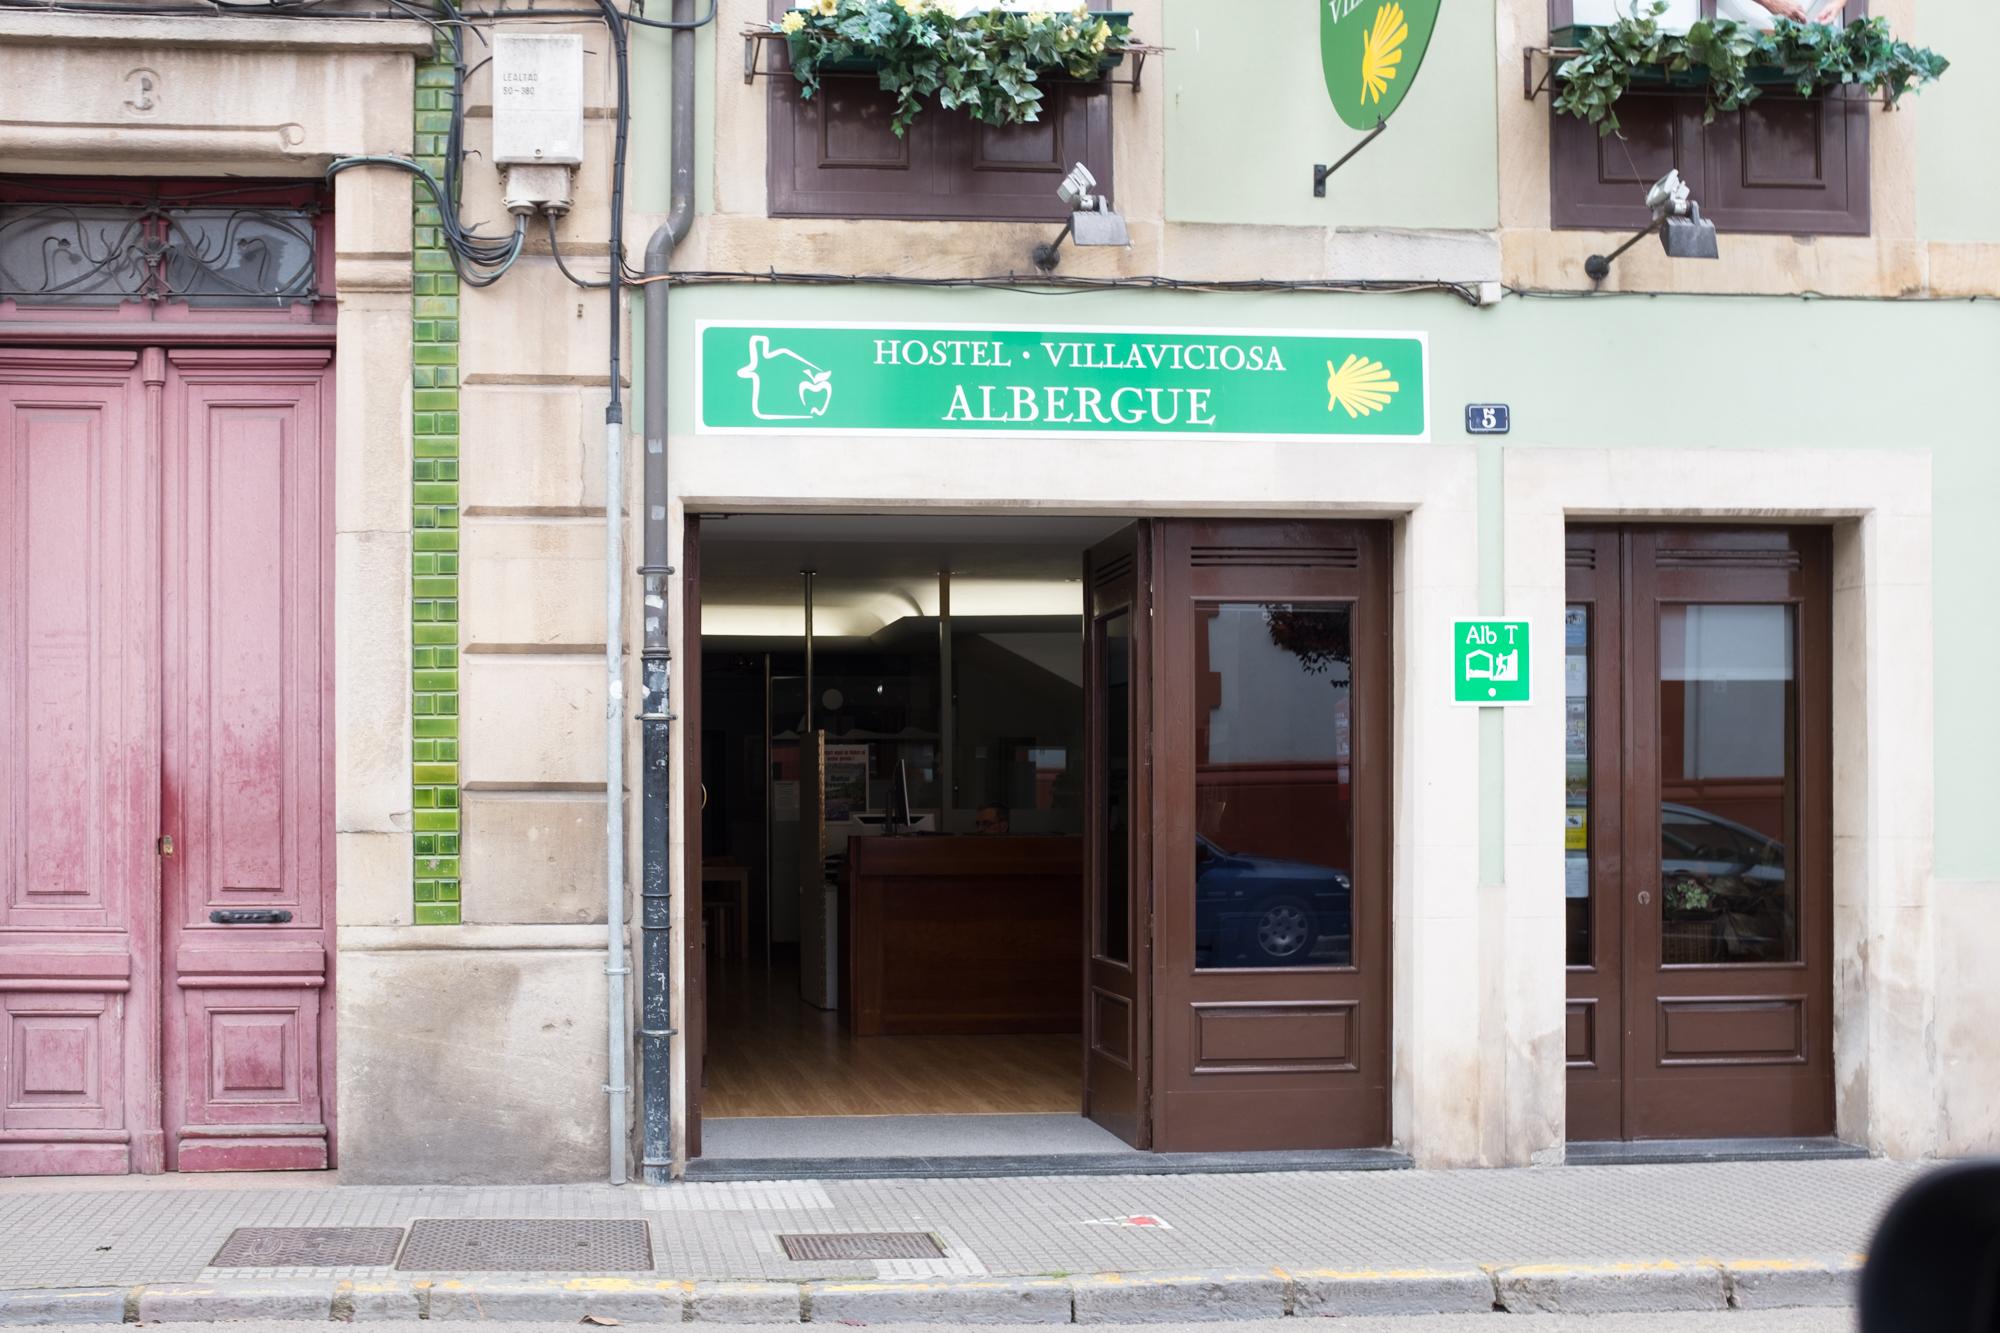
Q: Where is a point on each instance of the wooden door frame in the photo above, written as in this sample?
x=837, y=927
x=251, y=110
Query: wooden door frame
x=1130, y=594
x=1371, y=719
x=188, y=370
x=1808, y=588
x=1595, y=1077
x=694, y=931
x=1625, y=783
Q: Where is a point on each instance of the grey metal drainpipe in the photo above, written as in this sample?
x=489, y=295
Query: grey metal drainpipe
x=656, y=1012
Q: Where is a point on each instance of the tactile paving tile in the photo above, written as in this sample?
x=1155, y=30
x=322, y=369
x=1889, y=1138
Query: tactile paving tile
x=528, y=1245
x=308, y=1247
x=862, y=1245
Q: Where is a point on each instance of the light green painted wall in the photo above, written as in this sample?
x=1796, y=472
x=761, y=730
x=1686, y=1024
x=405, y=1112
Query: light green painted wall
x=1958, y=187
x=1597, y=372
x=652, y=122
x=1248, y=116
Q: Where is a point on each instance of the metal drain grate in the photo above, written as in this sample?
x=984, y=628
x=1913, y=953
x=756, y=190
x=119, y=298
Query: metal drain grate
x=309, y=1247
x=528, y=1244
x=863, y=1245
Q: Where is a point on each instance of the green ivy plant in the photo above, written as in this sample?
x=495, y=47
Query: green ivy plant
x=990, y=63
x=1737, y=62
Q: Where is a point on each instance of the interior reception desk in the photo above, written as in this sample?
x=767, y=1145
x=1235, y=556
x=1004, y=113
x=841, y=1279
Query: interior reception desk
x=952, y=936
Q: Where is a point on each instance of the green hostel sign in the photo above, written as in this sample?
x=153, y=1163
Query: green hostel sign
x=949, y=379
x=1370, y=51
x=1490, y=665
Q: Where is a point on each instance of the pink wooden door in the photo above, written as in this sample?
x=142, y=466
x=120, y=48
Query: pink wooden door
x=246, y=585
x=166, y=861
x=79, y=763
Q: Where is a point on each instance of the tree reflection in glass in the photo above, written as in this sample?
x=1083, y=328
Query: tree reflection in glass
x=1273, y=786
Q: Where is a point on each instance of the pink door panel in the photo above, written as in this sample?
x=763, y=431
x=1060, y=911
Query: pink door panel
x=246, y=583
x=79, y=762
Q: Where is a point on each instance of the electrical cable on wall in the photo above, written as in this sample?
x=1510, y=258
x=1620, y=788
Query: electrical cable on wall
x=479, y=260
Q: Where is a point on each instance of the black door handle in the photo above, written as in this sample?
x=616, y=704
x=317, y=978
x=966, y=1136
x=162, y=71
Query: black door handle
x=249, y=916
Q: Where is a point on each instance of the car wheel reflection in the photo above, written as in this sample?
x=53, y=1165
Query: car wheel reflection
x=1262, y=911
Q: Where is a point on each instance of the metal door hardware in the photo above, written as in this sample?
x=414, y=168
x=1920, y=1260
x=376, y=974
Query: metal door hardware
x=249, y=916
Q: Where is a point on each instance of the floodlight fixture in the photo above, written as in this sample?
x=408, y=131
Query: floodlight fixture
x=1091, y=220
x=1684, y=232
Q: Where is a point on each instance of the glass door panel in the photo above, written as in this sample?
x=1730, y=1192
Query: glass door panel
x=1577, y=905
x=1728, y=725
x=1114, y=915
x=1274, y=807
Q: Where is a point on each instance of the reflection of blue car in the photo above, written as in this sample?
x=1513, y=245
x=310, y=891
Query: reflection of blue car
x=1259, y=911
x=1725, y=887
x=1695, y=842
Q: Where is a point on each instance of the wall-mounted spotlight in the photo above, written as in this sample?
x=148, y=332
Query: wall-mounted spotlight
x=1091, y=221
x=1684, y=232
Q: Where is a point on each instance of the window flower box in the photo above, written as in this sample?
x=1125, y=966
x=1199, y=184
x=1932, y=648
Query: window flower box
x=989, y=62
x=1732, y=62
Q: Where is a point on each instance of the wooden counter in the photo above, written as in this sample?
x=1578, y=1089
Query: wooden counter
x=962, y=935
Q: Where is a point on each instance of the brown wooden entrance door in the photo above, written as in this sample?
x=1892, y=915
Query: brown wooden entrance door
x=1270, y=832
x=166, y=848
x=1117, y=1087
x=1701, y=880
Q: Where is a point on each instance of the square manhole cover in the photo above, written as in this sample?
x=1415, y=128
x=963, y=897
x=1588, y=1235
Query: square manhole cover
x=862, y=1245
x=309, y=1247
x=528, y=1245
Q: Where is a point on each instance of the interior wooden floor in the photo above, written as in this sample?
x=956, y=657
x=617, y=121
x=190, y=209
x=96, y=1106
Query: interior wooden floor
x=772, y=1054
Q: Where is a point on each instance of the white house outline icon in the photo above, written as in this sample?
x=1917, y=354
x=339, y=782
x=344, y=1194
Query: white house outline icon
x=807, y=379
x=1502, y=666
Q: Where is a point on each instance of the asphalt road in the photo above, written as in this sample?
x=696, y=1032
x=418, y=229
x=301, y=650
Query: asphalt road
x=1735, y=1321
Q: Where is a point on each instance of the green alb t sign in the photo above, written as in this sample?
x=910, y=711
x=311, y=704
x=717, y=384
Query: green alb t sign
x=1369, y=51
x=950, y=379
x=1490, y=661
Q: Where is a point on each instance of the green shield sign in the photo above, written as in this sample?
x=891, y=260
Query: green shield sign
x=1370, y=51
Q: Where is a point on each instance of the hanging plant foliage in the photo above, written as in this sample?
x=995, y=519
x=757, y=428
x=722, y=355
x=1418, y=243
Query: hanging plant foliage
x=989, y=63
x=1735, y=63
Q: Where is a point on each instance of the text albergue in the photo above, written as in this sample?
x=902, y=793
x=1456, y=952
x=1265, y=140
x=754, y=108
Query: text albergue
x=1080, y=405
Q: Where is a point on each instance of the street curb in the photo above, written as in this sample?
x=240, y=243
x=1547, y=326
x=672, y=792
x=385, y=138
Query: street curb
x=1768, y=1284
x=1098, y=1298
x=1625, y=1288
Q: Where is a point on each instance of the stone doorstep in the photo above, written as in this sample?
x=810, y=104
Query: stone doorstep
x=1103, y=1298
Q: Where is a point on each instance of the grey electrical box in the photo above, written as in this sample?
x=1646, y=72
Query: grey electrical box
x=537, y=100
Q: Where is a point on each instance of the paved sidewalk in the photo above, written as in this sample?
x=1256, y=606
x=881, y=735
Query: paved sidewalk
x=1747, y=1217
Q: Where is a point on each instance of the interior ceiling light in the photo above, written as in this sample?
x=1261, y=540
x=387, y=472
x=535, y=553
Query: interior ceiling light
x=1684, y=232
x=1091, y=220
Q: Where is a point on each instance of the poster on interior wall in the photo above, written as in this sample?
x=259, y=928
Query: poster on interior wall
x=1026, y=381
x=846, y=781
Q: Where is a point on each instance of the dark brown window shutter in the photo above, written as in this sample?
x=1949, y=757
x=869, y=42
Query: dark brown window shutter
x=1790, y=164
x=1599, y=181
x=834, y=155
x=1781, y=164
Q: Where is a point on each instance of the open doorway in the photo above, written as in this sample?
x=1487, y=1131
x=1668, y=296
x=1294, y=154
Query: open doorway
x=1036, y=838
x=902, y=975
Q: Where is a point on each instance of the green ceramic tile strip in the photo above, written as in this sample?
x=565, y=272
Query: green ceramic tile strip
x=434, y=520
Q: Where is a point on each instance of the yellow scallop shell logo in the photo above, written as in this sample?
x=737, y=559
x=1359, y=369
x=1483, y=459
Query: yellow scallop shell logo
x=1382, y=51
x=1361, y=386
